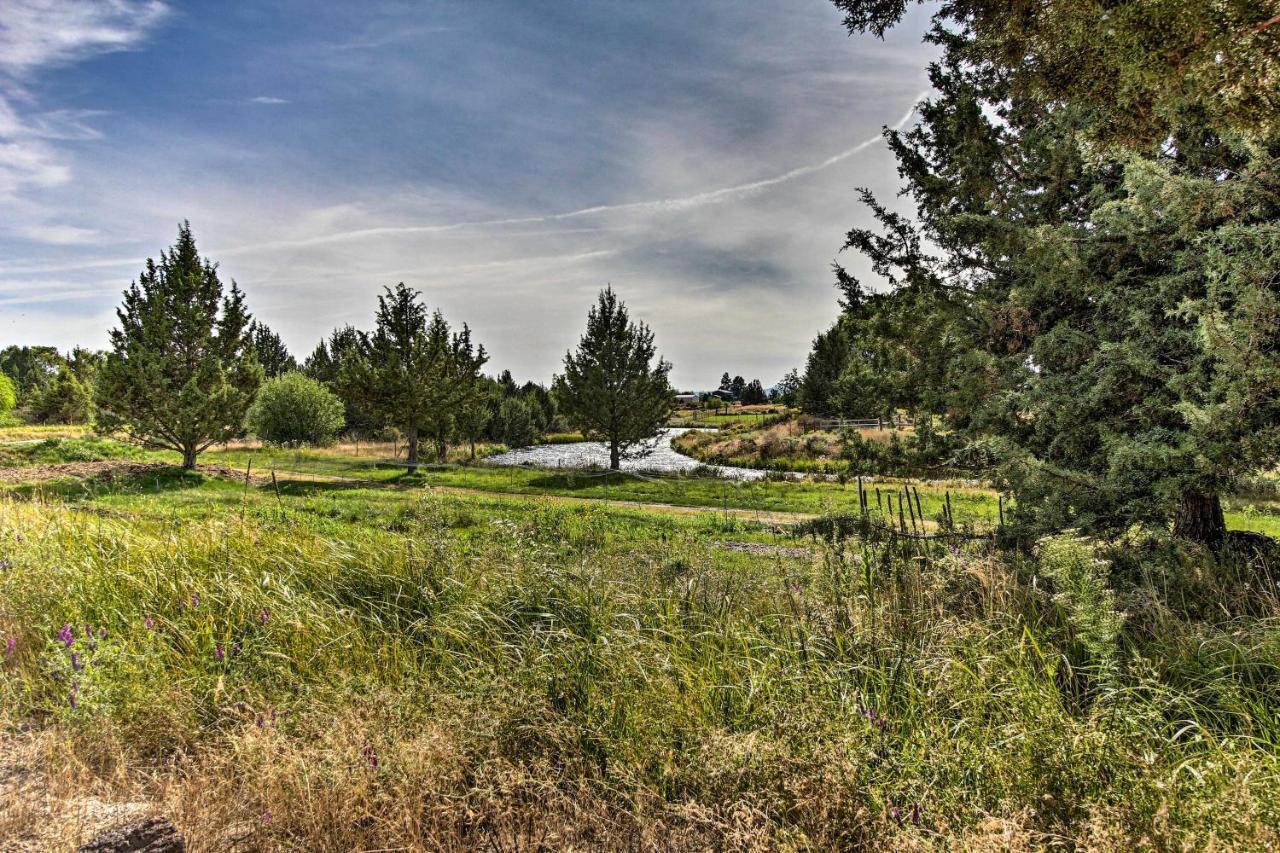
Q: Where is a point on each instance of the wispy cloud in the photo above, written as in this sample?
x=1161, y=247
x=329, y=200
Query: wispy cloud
x=664, y=205
x=268, y=100
x=38, y=34
x=35, y=34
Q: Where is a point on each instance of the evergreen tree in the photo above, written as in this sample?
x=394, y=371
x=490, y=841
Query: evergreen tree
x=725, y=380
x=271, y=352
x=181, y=372
x=788, y=388
x=31, y=368
x=65, y=400
x=736, y=386
x=816, y=394
x=610, y=387
x=1108, y=314
x=324, y=365
x=753, y=393
x=413, y=372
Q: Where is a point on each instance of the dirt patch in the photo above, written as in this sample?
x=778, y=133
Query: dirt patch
x=108, y=471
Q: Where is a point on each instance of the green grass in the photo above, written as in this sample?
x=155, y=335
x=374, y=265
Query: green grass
x=376, y=666
x=52, y=451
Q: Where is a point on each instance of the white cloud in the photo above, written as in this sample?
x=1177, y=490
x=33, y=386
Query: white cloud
x=268, y=100
x=37, y=34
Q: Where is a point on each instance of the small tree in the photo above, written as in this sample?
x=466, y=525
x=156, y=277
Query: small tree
x=609, y=388
x=271, y=352
x=293, y=409
x=65, y=400
x=181, y=372
x=325, y=365
x=518, y=422
x=413, y=373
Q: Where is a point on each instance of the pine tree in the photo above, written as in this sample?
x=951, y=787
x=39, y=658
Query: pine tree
x=271, y=352
x=181, y=372
x=324, y=365
x=413, y=372
x=610, y=387
x=1108, y=314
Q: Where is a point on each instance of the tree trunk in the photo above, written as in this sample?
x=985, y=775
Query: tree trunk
x=189, y=457
x=473, y=450
x=615, y=457
x=411, y=460
x=1199, y=519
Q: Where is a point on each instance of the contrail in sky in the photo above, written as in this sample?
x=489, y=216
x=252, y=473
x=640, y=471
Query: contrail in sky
x=654, y=206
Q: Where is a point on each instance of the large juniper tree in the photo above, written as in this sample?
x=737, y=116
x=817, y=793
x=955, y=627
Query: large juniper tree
x=611, y=387
x=181, y=372
x=1114, y=280
x=413, y=371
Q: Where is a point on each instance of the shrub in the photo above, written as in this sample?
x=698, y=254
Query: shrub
x=518, y=422
x=294, y=409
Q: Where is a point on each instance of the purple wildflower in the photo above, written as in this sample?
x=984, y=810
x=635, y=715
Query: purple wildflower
x=219, y=653
x=895, y=814
x=264, y=616
x=71, y=697
x=235, y=649
x=8, y=647
x=195, y=599
x=149, y=623
x=370, y=755
x=4, y=565
x=76, y=663
x=915, y=815
x=873, y=718
x=66, y=635
x=267, y=817
x=88, y=631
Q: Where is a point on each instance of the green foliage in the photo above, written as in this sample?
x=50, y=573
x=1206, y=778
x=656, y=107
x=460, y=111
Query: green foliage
x=30, y=369
x=517, y=422
x=64, y=400
x=181, y=372
x=1081, y=588
x=325, y=365
x=8, y=395
x=293, y=409
x=412, y=372
x=270, y=351
x=610, y=388
x=1108, y=316
x=1136, y=69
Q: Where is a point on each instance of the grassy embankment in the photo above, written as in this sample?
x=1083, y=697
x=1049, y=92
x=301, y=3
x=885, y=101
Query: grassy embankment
x=371, y=665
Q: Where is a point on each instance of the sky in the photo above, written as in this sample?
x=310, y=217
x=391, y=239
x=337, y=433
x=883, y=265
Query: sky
x=507, y=158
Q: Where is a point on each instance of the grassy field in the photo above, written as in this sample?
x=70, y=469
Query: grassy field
x=34, y=432
x=348, y=657
x=370, y=665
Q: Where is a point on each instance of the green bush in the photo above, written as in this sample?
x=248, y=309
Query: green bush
x=293, y=410
x=517, y=422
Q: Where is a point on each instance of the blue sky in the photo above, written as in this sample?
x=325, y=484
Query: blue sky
x=506, y=157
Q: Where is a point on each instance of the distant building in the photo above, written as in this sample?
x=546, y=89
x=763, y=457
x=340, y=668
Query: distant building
x=725, y=394
x=687, y=398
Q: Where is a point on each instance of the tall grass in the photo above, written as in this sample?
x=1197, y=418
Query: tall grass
x=344, y=670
